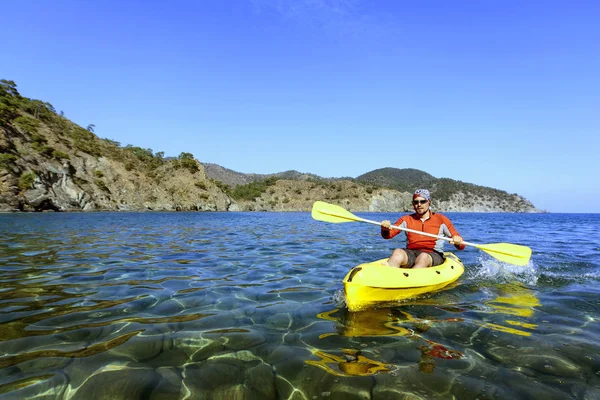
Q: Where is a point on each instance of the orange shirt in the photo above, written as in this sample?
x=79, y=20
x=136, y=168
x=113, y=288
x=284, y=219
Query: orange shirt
x=436, y=224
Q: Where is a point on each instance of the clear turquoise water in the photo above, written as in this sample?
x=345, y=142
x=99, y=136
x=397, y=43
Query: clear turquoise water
x=250, y=305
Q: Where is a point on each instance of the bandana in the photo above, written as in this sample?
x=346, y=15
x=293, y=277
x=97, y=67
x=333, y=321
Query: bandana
x=424, y=193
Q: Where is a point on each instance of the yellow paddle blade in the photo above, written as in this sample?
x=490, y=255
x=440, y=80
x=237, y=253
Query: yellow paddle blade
x=322, y=211
x=508, y=253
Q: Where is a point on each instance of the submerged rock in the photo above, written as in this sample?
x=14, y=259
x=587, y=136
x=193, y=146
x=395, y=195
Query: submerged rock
x=126, y=384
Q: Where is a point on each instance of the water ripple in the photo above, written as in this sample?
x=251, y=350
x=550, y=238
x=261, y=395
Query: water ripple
x=251, y=305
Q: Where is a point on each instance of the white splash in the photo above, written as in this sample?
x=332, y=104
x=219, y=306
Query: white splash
x=492, y=269
x=339, y=299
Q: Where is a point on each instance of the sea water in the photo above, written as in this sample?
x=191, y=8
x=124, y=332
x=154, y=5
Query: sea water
x=250, y=305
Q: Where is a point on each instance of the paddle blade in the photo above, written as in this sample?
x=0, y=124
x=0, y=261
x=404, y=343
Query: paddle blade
x=322, y=211
x=508, y=253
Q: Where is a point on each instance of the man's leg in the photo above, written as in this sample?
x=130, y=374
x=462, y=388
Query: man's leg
x=423, y=260
x=400, y=259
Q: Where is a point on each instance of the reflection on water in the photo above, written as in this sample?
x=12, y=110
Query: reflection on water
x=512, y=300
x=353, y=363
x=518, y=301
x=246, y=305
x=387, y=322
x=88, y=351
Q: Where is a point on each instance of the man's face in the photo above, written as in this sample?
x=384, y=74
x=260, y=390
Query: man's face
x=421, y=205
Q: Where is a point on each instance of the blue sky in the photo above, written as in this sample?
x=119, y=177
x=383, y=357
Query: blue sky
x=501, y=94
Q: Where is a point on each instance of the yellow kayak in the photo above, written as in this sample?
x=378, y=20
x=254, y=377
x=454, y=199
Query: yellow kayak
x=375, y=282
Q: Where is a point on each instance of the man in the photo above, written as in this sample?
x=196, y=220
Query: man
x=421, y=251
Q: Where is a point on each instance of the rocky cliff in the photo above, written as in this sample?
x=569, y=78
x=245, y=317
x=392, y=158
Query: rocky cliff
x=49, y=163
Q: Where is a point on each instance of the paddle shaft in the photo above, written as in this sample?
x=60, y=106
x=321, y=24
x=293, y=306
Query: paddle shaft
x=417, y=232
x=506, y=252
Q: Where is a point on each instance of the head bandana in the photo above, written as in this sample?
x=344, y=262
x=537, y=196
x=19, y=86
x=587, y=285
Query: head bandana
x=424, y=193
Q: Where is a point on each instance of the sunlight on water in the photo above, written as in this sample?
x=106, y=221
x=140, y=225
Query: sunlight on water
x=232, y=305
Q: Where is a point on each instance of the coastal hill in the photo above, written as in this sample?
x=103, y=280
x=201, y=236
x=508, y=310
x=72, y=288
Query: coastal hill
x=234, y=178
x=49, y=163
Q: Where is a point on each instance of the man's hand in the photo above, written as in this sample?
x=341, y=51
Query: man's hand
x=456, y=240
x=386, y=224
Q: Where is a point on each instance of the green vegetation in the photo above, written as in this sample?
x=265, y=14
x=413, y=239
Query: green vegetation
x=186, y=160
x=9, y=101
x=446, y=187
x=26, y=180
x=59, y=155
x=39, y=109
x=318, y=182
x=145, y=156
x=47, y=151
x=112, y=142
x=408, y=180
x=38, y=141
x=6, y=159
x=27, y=124
x=403, y=180
x=252, y=190
x=224, y=187
x=86, y=141
x=100, y=183
x=13, y=105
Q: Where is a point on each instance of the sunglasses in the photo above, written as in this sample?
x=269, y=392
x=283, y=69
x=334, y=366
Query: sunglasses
x=415, y=202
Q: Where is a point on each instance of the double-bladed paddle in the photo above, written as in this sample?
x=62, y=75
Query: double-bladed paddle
x=505, y=252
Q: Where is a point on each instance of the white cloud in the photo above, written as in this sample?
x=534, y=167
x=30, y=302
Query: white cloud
x=346, y=17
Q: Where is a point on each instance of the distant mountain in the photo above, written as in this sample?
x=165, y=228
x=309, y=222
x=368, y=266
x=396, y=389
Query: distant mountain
x=49, y=163
x=448, y=194
x=230, y=177
x=403, y=180
x=409, y=179
x=233, y=178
